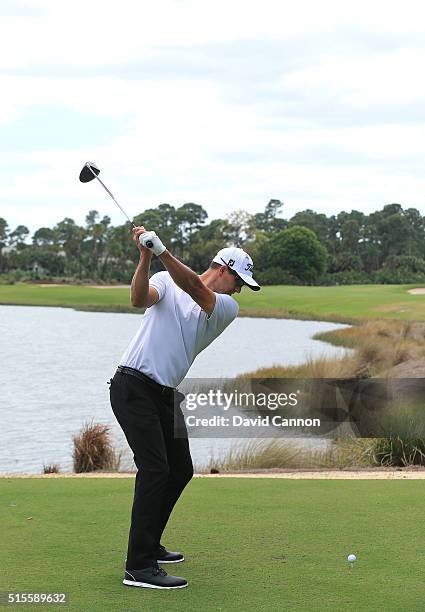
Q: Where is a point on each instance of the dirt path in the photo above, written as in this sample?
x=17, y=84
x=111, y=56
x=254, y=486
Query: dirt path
x=377, y=474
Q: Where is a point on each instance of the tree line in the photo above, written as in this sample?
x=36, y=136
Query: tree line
x=386, y=246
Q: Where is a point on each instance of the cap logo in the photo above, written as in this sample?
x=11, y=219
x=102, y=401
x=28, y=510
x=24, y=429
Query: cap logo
x=249, y=267
x=231, y=263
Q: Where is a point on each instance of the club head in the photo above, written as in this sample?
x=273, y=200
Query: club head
x=89, y=172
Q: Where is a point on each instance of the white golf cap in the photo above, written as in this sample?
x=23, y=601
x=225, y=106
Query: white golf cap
x=240, y=262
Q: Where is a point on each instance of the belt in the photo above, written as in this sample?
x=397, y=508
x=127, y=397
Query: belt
x=144, y=378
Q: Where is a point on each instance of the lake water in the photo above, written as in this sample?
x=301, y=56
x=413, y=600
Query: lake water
x=55, y=363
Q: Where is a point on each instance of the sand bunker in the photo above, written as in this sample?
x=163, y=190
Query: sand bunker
x=419, y=291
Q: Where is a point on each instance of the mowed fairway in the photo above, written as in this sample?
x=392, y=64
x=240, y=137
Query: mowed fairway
x=79, y=296
x=250, y=544
x=343, y=303
x=348, y=302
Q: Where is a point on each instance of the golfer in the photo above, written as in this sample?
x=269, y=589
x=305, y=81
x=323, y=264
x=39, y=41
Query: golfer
x=184, y=314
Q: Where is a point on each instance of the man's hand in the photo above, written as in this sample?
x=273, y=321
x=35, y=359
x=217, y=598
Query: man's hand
x=137, y=232
x=152, y=242
x=142, y=295
x=142, y=237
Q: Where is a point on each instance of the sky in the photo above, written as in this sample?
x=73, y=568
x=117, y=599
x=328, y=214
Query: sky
x=225, y=103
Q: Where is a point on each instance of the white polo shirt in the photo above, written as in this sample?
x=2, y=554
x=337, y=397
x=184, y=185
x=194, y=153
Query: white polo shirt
x=174, y=330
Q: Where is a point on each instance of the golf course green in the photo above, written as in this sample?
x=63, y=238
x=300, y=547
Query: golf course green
x=250, y=544
x=347, y=303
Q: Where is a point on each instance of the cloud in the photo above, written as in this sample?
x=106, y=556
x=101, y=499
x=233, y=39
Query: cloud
x=225, y=104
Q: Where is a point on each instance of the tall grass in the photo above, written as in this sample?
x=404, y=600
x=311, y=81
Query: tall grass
x=399, y=452
x=392, y=451
x=404, y=425
x=52, y=468
x=278, y=454
x=340, y=454
x=93, y=450
x=377, y=347
x=261, y=454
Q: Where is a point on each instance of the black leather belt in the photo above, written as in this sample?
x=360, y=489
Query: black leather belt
x=144, y=378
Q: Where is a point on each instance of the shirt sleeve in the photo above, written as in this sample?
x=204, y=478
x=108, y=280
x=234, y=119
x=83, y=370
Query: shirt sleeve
x=159, y=281
x=226, y=309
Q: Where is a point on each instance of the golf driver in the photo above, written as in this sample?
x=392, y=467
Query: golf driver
x=89, y=172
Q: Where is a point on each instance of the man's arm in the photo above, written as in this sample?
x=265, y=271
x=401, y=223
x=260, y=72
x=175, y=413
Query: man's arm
x=142, y=295
x=183, y=276
x=189, y=281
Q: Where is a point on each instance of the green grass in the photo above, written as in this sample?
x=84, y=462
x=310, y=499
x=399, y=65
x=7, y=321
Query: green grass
x=250, y=544
x=74, y=296
x=343, y=303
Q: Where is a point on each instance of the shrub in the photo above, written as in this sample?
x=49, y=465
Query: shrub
x=404, y=430
x=398, y=452
x=406, y=263
x=398, y=276
x=13, y=276
x=394, y=451
x=52, y=468
x=276, y=276
x=348, y=277
x=93, y=450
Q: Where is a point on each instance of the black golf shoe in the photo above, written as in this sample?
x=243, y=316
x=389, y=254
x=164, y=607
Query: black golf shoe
x=166, y=556
x=153, y=578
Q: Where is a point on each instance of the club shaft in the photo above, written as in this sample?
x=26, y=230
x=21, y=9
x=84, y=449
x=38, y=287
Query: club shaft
x=119, y=206
x=149, y=243
x=110, y=193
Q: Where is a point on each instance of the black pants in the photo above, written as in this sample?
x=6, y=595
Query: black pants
x=164, y=466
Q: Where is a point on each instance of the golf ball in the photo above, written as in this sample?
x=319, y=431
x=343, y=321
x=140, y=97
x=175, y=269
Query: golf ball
x=351, y=558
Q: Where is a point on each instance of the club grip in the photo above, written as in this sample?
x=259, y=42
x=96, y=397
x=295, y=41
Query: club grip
x=149, y=243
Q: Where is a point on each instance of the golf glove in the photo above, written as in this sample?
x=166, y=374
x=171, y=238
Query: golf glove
x=155, y=245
